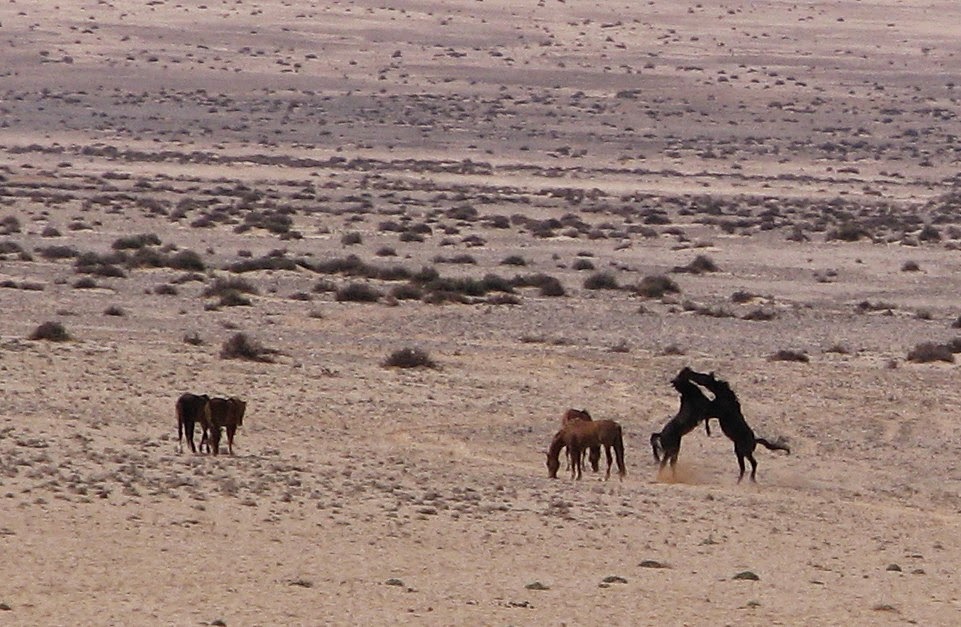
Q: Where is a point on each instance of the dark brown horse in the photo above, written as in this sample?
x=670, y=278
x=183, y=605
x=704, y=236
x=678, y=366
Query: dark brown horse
x=580, y=435
x=191, y=409
x=727, y=409
x=225, y=413
x=695, y=407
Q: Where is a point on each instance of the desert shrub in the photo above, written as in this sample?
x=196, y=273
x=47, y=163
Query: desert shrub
x=165, y=289
x=233, y=298
x=929, y=234
x=325, y=285
x=386, y=251
x=409, y=358
x=50, y=231
x=840, y=349
x=275, y=260
x=457, y=259
x=789, y=355
x=601, y=281
x=410, y=236
x=926, y=352
x=186, y=260
x=193, y=339
x=239, y=346
x=358, y=293
x=58, y=252
x=513, y=260
x=583, y=264
x=85, y=283
x=759, y=314
x=672, y=349
x=407, y=291
x=114, y=310
x=133, y=242
x=655, y=286
x=303, y=296
x=700, y=265
x=50, y=331
x=741, y=297
x=848, y=232
x=233, y=284
x=910, y=266
x=351, y=238
x=9, y=224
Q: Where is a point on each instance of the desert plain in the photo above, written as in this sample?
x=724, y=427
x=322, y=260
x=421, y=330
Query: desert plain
x=557, y=203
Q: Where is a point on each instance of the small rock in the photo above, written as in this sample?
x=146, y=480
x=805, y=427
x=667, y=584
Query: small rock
x=747, y=575
x=536, y=585
x=916, y=571
x=218, y=622
x=614, y=579
x=394, y=582
x=653, y=564
x=893, y=568
x=4, y=607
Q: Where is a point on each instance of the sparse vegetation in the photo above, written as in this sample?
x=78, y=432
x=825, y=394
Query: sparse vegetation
x=409, y=358
x=789, y=355
x=656, y=286
x=358, y=293
x=601, y=281
x=51, y=332
x=239, y=346
x=927, y=352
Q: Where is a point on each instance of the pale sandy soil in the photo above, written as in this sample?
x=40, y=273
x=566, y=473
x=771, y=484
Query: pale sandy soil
x=751, y=133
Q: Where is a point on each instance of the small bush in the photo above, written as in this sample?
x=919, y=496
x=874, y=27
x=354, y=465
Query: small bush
x=655, y=286
x=514, y=260
x=926, y=352
x=601, y=281
x=165, y=289
x=700, y=265
x=114, y=310
x=408, y=291
x=223, y=286
x=233, y=298
x=583, y=264
x=50, y=331
x=409, y=358
x=193, y=339
x=239, y=346
x=358, y=293
x=133, y=242
x=84, y=283
x=186, y=260
x=789, y=355
x=351, y=239
x=759, y=315
x=386, y=251
x=910, y=266
x=741, y=297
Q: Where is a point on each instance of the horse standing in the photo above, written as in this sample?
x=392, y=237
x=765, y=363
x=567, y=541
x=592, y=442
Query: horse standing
x=191, y=409
x=580, y=435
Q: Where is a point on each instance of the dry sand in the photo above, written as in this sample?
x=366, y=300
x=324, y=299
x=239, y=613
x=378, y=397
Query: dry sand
x=810, y=150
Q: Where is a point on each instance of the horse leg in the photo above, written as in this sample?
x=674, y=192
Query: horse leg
x=619, y=455
x=610, y=461
x=595, y=455
x=750, y=458
x=231, y=430
x=189, y=429
x=214, y=438
x=740, y=463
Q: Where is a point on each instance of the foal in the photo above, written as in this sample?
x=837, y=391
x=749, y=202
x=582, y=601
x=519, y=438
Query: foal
x=727, y=409
x=570, y=416
x=695, y=407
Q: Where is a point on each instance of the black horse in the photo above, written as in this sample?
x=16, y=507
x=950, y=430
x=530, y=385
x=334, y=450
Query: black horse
x=191, y=409
x=695, y=407
x=727, y=409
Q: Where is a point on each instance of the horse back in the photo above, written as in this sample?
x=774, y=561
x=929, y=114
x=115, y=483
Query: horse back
x=191, y=406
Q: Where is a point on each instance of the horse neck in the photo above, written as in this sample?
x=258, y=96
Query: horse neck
x=556, y=445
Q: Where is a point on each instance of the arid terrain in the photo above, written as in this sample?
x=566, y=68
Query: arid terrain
x=560, y=204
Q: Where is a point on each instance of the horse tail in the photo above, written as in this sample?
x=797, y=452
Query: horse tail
x=655, y=444
x=773, y=446
x=619, y=451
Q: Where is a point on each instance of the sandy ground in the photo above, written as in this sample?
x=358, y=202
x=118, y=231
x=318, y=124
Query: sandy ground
x=809, y=151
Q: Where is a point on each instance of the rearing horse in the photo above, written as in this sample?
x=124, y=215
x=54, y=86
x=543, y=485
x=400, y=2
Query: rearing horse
x=695, y=407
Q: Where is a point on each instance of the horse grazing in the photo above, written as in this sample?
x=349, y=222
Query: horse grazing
x=695, y=407
x=580, y=435
x=191, y=409
x=225, y=413
x=595, y=452
x=727, y=409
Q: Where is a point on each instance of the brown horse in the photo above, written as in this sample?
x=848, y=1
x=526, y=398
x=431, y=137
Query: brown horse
x=594, y=452
x=225, y=413
x=191, y=409
x=727, y=409
x=580, y=435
